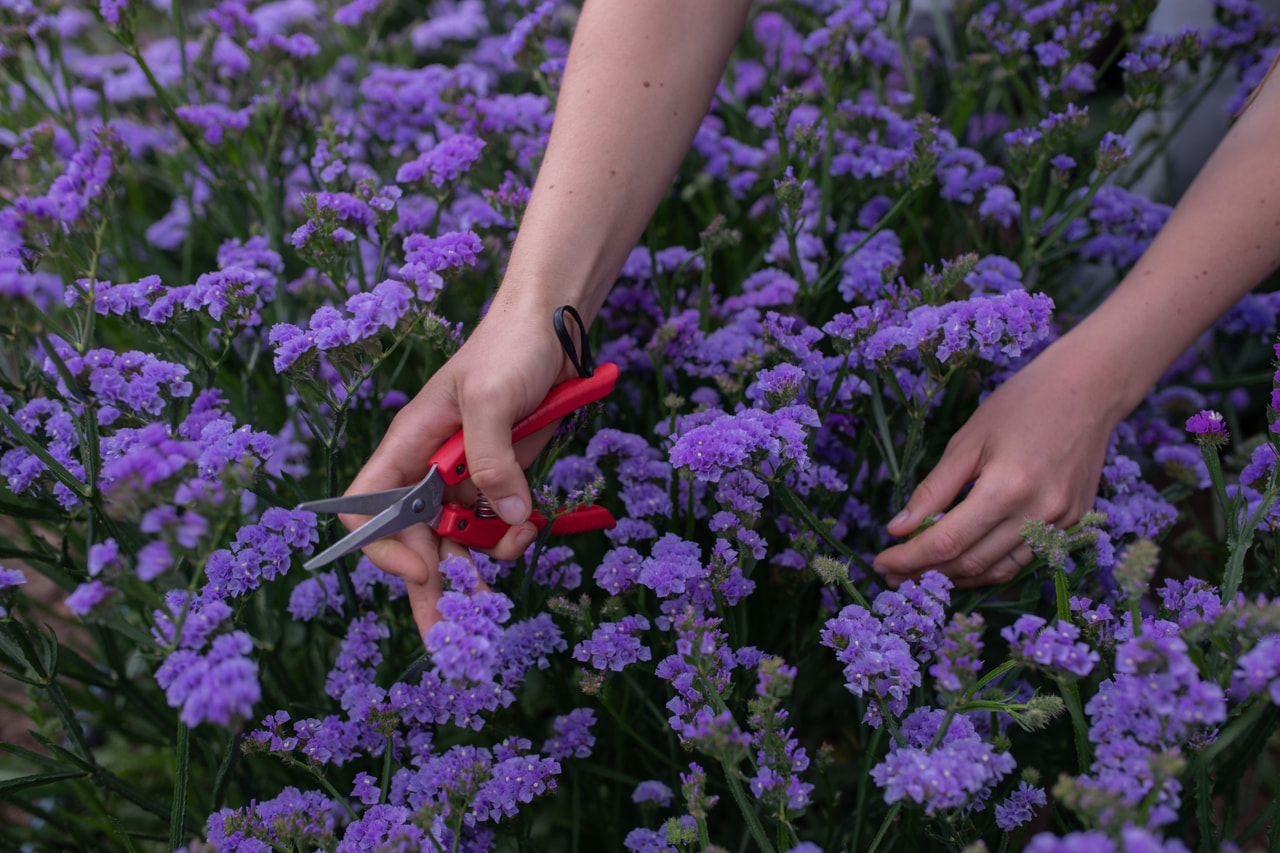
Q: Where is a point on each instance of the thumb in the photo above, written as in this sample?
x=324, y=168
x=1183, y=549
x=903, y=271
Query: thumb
x=937, y=491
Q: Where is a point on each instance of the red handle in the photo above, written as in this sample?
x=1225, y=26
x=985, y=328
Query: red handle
x=461, y=524
x=451, y=458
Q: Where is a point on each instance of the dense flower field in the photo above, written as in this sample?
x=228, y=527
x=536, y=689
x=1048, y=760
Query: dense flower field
x=236, y=236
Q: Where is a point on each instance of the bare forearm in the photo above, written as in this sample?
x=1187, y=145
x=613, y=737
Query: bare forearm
x=639, y=79
x=1220, y=241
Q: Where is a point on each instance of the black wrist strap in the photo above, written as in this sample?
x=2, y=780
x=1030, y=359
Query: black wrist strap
x=586, y=365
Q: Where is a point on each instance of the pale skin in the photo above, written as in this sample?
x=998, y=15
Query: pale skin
x=639, y=79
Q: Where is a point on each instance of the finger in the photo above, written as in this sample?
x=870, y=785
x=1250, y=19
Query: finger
x=954, y=471
x=416, y=432
x=995, y=558
x=1006, y=569
x=424, y=602
x=487, y=418
x=513, y=543
x=410, y=554
x=972, y=520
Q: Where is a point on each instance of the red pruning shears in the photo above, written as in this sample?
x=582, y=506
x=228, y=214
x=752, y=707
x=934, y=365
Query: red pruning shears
x=478, y=526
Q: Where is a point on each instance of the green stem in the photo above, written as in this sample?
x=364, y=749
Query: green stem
x=990, y=677
x=795, y=505
x=882, y=424
x=386, y=770
x=748, y=811
x=1071, y=698
x=829, y=277
x=884, y=827
x=704, y=837
x=178, y=813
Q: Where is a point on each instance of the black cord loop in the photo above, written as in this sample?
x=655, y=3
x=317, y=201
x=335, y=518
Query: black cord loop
x=585, y=366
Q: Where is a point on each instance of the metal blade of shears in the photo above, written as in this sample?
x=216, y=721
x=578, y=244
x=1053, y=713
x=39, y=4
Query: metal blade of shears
x=417, y=504
x=369, y=503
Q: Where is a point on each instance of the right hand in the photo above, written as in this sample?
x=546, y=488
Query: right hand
x=500, y=374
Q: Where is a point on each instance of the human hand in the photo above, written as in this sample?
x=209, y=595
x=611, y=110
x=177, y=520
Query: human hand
x=500, y=374
x=1033, y=449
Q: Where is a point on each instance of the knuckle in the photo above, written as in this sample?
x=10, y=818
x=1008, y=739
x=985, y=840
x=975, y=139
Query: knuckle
x=487, y=474
x=945, y=546
x=967, y=567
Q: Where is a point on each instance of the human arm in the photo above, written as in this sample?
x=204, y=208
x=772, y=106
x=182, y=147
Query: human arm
x=638, y=80
x=1036, y=445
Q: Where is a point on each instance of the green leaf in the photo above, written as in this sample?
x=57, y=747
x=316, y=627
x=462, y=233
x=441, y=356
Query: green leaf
x=34, y=757
x=55, y=467
x=22, y=783
x=35, y=510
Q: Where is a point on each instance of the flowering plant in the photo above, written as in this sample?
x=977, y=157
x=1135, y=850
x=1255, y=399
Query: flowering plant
x=236, y=236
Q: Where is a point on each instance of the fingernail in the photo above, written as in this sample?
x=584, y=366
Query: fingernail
x=524, y=536
x=900, y=518
x=511, y=509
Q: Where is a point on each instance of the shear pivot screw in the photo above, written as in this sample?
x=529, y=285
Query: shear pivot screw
x=419, y=505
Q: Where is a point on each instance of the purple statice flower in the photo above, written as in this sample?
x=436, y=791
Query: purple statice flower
x=1019, y=807
x=652, y=791
x=613, y=645
x=444, y=163
x=780, y=761
x=387, y=827
x=214, y=687
x=1154, y=705
x=314, y=596
x=449, y=21
x=357, y=660
x=994, y=274
x=963, y=174
x=1113, y=152
x=111, y=10
x=863, y=274
x=747, y=439
x=353, y=13
x=293, y=818
x=1191, y=601
x=1124, y=224
x=877, y=663
x=87, y=596
x=85, y=177
x=618, y=570
x=674, y=567
x=960, y=770
x=465, y=644
x=9, y=579
x=526, y=644
x=1055, y=649
x=573, y=735
x=1132, y=840
x=958, y=654
x=1258, y=670
x=1208, y=426
x=1185, y=462
x=294, y=46
x=515, y=780
x=366, y=789
x=659, y=840
x=199, y=615
x=1000, y=205
x=916, y=610
x=428, y=259
x=216, y=120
